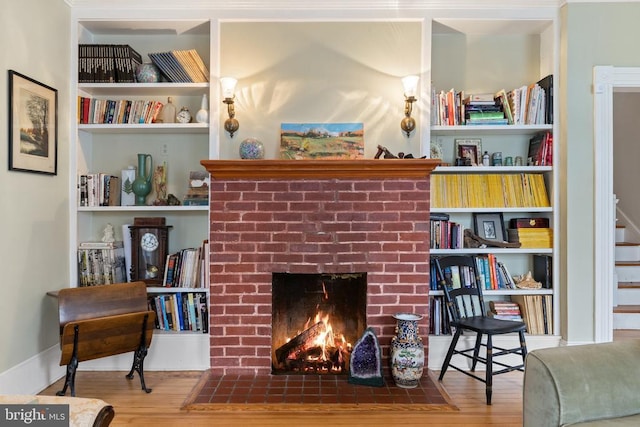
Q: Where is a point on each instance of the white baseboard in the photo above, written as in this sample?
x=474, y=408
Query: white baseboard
x=168, y=352
x=34, y=374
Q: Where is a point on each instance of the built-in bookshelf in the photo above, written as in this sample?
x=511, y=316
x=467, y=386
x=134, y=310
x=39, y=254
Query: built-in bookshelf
x=115, y=119
x=475, y=57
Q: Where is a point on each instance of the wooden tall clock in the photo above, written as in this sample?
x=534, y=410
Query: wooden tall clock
x=149, y=249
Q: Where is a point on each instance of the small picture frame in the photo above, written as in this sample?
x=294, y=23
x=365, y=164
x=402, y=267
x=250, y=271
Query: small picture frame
x=470, y=148
x=33, y=125
x=489, y=226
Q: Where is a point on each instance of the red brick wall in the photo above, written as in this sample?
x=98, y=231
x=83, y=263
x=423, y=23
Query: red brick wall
x=377, y=226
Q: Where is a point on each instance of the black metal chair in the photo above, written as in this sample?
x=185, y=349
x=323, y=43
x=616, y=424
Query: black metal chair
x=466, y=307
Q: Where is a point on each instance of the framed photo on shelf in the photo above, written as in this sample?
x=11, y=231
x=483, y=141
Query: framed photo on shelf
x=489, y=226
x=470, y=148
x=33, y=125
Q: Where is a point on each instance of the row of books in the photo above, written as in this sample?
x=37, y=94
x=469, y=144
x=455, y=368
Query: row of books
x=185, y=268
x=488, y=191
x=446, y=234
x=438, y=316
x=101, y=263
x=537, y=312
x=122, y=111
x=491, y=275
x=540, y=150
x=526, y=105
x=188, y=311
x=181, y=66
x=99, y=189
x=505, y=310
x=107, y=63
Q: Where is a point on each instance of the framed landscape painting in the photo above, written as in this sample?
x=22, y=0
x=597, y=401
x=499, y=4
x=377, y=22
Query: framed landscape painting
x=321, y=141
x=33, y=125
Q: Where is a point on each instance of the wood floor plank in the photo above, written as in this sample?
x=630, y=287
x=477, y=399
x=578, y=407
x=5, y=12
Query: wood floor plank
x=162, y=407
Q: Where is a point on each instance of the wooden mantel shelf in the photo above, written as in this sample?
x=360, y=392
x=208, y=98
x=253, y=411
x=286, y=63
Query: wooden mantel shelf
x=320, y=169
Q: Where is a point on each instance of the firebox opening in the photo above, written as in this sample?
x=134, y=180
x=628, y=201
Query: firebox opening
x=315, y=320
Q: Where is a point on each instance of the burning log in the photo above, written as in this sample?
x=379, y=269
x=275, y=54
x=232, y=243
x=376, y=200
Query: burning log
x=299, y=343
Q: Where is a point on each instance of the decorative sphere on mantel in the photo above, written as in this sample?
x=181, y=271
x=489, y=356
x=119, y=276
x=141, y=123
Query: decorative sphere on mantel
x=251, y=148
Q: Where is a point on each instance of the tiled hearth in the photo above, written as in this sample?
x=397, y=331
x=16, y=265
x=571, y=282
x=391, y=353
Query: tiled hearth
x=271, y=216
x=287, y=391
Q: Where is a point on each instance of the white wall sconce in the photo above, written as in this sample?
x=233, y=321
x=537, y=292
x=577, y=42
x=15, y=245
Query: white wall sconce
x=410, y=83
x=228, y=85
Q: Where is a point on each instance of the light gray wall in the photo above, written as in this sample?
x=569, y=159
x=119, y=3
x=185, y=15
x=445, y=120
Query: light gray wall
x=33, y=212
x=593, y=34
x=626, y=156
x=320, y=72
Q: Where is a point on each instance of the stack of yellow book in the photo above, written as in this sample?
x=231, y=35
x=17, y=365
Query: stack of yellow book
x=531, y=237
x=488, y=190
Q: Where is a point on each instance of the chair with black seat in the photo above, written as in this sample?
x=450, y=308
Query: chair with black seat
x=465, y=303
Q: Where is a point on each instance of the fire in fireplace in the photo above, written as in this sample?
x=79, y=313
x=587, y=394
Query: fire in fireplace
x=315, y=320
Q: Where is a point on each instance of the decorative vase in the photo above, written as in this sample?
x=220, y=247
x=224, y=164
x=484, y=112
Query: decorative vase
x=127, y=197
x=142, y=184
x=407, y=351
x=202, y=115
x=251, y=148
x=168, y=113
x=147, y=73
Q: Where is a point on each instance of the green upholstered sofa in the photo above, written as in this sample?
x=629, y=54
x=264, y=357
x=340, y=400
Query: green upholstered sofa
x=585, y=385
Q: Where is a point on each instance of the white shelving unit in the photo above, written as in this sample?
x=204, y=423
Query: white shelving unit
x=110, y=148
x=479, y=56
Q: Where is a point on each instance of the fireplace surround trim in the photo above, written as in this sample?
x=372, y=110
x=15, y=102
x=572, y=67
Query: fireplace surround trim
x=365, y=168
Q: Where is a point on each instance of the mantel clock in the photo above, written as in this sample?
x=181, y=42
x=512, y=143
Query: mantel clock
x=149, y=249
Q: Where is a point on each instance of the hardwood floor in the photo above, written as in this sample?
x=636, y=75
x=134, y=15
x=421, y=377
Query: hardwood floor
x=133, y=407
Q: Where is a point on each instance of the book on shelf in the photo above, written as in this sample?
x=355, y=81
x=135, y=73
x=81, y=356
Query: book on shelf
x=503, y=101
x=488, y=190
x=180, y=311
x=181, y=66
x=101, y=263
x=543, y=270
x=187, y=268
x=546, y=84
x=107, y=63
x=479, y=99
x=505, y=310
x=530, y=104
x=438, y=316
x=540, y=151
x=446, y=235
x=537, y=312
x=98, y=189
x=121, y=111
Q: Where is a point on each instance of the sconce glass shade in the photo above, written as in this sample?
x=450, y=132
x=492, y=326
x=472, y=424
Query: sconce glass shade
x=228, y=85
x=410, y=84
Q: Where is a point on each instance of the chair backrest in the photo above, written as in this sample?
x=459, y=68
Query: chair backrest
x=459, y=280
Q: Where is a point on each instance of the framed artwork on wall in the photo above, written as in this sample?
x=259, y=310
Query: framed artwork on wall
x=33, y=125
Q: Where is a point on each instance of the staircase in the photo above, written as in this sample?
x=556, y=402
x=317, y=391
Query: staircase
x=626, y=298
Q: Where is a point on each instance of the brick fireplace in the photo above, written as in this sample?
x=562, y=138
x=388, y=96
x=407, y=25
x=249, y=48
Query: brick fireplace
x=310, y=217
